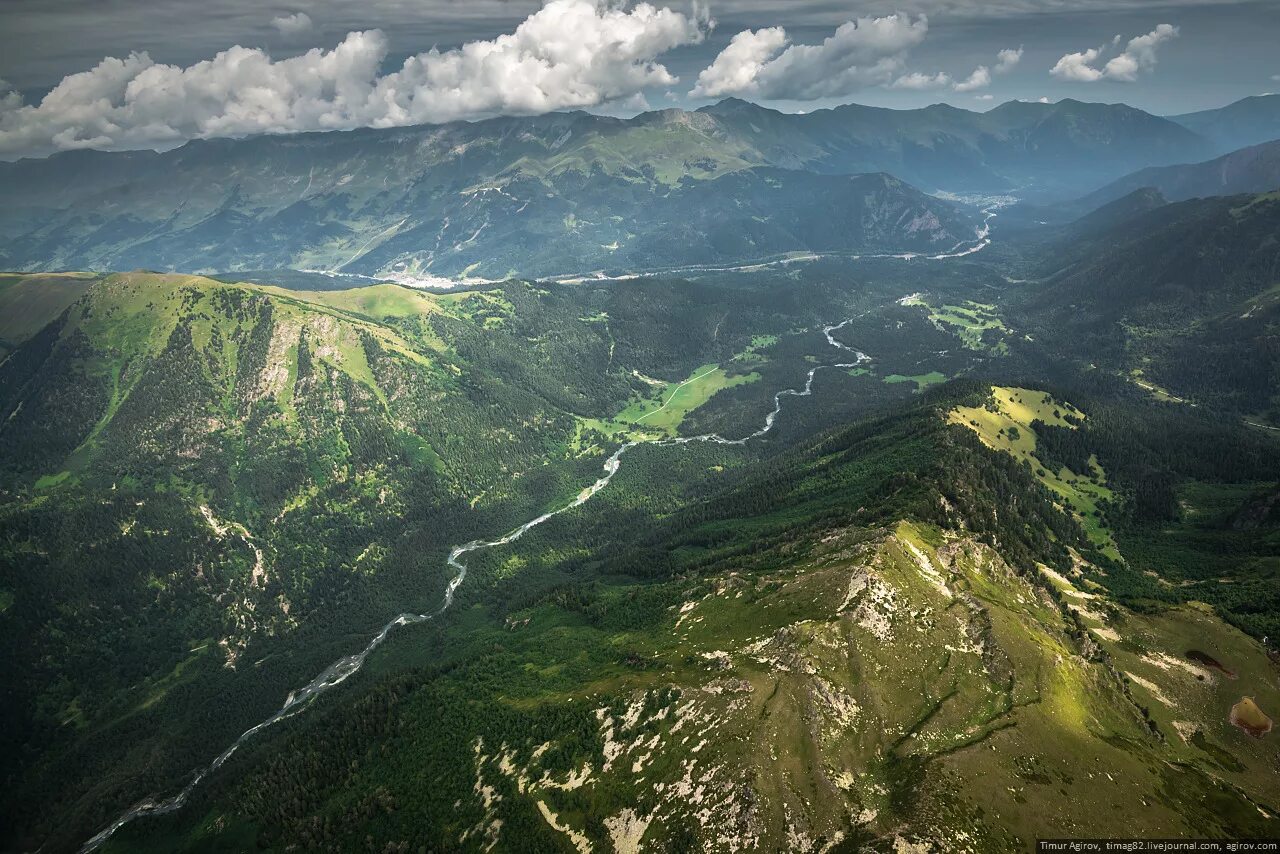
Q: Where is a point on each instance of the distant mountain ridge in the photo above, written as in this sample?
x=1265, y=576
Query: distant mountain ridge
x=565, y=192
x=1246, y=122
x=1250, y=170
x=1018, y=145
x=1117, y=213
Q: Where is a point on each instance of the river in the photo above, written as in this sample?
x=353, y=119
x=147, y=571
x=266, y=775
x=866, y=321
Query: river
x=342, y=669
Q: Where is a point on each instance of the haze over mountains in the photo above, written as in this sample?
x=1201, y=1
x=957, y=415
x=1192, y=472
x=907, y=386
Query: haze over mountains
x=574, y=193
x=1254, y=169
x=1246, y=122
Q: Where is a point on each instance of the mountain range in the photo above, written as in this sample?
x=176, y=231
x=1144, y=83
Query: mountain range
x=570, y=193
x=1255, y=169
x=941, y=533
x=1246, y=122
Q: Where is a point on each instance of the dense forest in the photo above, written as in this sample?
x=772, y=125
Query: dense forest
x=213, y=490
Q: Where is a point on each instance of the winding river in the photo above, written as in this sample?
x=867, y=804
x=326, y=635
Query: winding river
x=342, y=669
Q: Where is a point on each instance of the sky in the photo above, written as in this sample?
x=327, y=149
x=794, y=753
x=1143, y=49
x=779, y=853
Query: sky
x=122, y=74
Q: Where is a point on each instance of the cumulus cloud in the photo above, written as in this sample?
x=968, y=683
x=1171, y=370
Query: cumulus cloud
x=765, y=64
x=979, y=79
x=1138, y=55
x=919, y=80
x=739, y=67
x=568, y=54
x=1078, y=67
x=292, y=25
x=1007, y=59
x=984, y=97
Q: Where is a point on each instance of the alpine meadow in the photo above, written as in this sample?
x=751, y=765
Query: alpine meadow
x=600, y=426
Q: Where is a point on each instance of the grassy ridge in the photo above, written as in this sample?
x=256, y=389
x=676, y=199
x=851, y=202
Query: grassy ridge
x=341, y=442
x=29, y=302
x=1005, y=424
x=785, y=600
x=823, y=673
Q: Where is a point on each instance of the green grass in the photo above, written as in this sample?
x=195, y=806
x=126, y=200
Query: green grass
x=1153, y=648
x=922, y=381
x=1006, y=426
x=29, y=302
x=970, y=321
x=671, y=152
x=665, y=407
x=49, y=481
x=378, y=302
x=422, y=452
x=356, y=365
x=752, y=353
x=489, y=309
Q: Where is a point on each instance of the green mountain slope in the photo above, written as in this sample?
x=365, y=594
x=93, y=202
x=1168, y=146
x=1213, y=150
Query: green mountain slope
x=1249, y=170
x=29, y=303
x=848, y=648
x=1247, y=122
x=190, y=374
x=1182, y=297
x=1028, y=147
x=905, y=613
x=557, y=194
x=565, y=193
x=209, y=490
x=1115, y=214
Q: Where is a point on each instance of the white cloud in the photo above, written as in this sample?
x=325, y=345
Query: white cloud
x=1044, y=100
x=1007, y=59
x=860, y=53
x=292, y=25
x=739, y=66
x=1138, y=55
x=918, y=80
x=1276, y=77
x=1078, y=67
x=984, y=97
x=979, y=79
x=568, y=54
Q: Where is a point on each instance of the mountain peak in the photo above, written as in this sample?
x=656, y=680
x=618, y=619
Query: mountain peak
x=731, y=103
x=732, y=106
